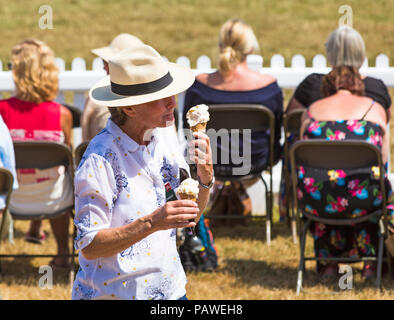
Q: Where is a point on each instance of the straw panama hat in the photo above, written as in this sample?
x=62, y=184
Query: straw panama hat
x=140, y=75
x=119, y=43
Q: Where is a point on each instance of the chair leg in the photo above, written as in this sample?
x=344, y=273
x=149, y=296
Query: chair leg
x=301, y=266
x=267, y=212
x=293, y=223
x=380, y=260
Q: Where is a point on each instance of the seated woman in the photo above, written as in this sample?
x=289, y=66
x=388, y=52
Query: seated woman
x=33, y=115
x=344, y=46
x=344, y=113
x=235, y=83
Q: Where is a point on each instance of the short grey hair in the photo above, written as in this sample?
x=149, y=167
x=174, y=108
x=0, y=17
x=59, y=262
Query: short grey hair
x=345, y=47
x=117, y=115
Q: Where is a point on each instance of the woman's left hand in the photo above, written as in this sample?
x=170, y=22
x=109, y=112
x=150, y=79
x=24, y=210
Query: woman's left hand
x=201, y=154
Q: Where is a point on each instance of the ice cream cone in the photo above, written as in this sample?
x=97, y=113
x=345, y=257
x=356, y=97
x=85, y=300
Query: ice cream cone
x=199, y=127
x=197, y=118
x=185, y=196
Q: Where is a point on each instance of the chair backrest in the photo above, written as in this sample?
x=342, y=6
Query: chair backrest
x=243, y=117
x=76, y=114
x=345, y=154
x=41, y=154
x=292, y=122
x=79, y=151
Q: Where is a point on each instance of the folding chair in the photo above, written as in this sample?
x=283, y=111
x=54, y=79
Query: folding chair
x=345, y=154
x=291, y=126
x=76, y=114
x=79, y=151
x=226, y=117
x=6, y=187
x=42, y=155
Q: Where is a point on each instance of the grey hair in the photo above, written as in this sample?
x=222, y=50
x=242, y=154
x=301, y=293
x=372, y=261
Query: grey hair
x=345, y=47
x=117, y=115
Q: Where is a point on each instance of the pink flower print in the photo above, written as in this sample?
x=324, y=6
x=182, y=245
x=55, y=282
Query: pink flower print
x=319, y=231
x=356, y=126
x=337, y=135
x=301, y=172
x=358, y=213
x=375, y=139
x=336, y=205
x=337, y=176
x=315, y=128
x=310, y=210
x=300, y=195
x=358, y=190
x=311, y=188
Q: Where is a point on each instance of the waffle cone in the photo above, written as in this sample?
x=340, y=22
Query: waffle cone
x=185, y=196
x=199, y=127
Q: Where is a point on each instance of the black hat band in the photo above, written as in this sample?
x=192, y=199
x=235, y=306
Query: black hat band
x=142, y=88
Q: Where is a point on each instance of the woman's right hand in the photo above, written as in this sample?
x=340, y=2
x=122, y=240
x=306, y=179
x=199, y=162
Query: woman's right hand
x=175, y=214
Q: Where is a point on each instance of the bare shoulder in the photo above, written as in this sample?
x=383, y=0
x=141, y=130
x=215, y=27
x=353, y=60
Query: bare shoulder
x=203, y=77
x=66, y=116
x=264, y=79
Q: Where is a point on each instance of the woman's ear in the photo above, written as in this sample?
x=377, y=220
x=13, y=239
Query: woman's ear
x=129, y=111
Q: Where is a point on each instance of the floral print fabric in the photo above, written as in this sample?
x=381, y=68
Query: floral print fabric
x=116, y=183
x=343, y=194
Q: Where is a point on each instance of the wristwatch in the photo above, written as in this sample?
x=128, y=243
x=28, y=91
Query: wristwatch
x=206, y=186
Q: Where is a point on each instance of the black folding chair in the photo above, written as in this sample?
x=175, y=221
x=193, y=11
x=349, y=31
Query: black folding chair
x=43, y=155
x=79, y=151
x=345, y=154
x=6, y=187
x=291, y=126
x=255, y=118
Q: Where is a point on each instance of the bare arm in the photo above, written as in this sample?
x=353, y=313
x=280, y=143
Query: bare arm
x=66, y=122
x=111, y=241
x=200, y=149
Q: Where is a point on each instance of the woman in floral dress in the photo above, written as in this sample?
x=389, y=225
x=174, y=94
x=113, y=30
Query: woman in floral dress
x=344, y=114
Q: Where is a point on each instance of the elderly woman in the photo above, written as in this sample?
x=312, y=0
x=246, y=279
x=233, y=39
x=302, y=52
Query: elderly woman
x=94, y=117
x=32, y=115
x=126, y=229
x=344, y=47
x=344, y=113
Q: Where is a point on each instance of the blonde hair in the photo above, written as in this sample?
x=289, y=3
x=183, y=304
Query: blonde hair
x=345, y=47
x=34, y=71
x=236, y=41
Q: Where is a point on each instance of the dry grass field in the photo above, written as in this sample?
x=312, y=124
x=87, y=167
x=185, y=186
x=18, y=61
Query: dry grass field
x=248, y=270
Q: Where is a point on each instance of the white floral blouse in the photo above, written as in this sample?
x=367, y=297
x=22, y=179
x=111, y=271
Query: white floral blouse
x=117, y=182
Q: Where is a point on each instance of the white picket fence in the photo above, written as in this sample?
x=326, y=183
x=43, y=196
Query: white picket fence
x=80, y=79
